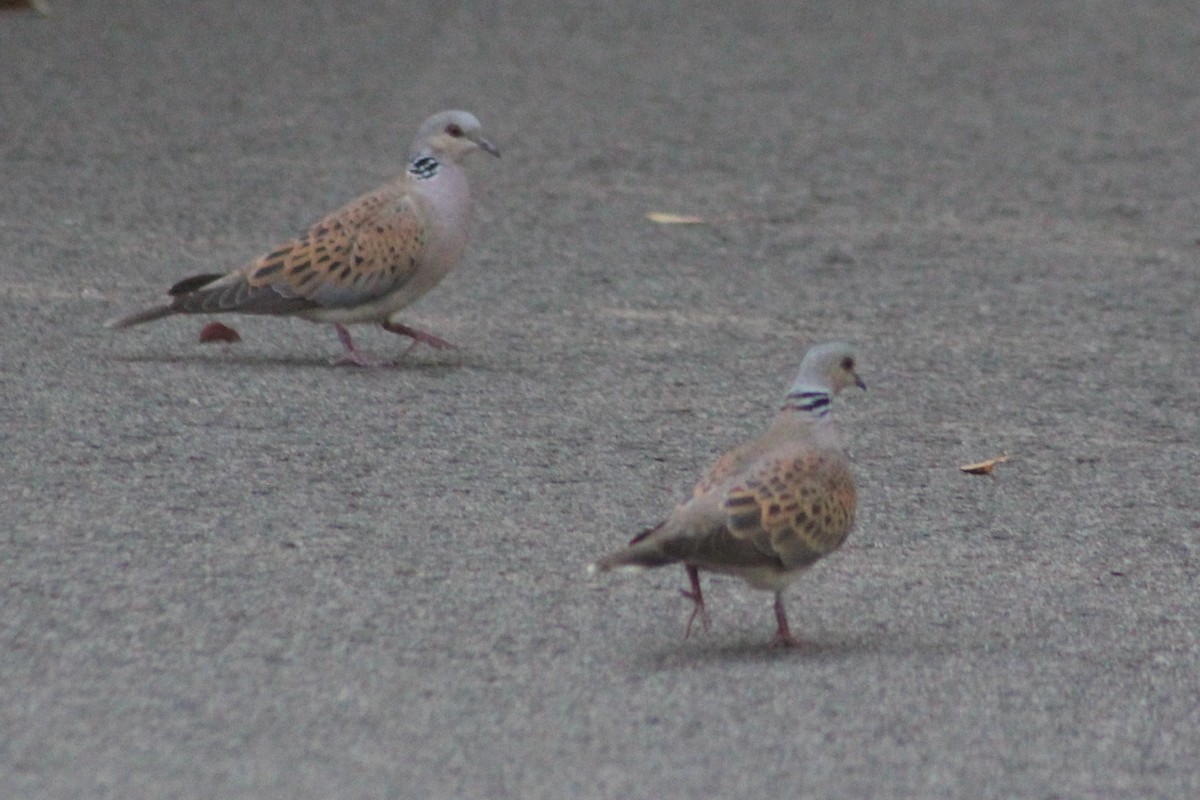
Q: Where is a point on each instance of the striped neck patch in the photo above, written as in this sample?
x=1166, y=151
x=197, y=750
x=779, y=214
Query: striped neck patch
x=424, y=167
x=810, y=402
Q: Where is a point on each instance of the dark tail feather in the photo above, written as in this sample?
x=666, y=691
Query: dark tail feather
x=149, y=315
x=183, y=287
x=646, y=533
x=193, y=283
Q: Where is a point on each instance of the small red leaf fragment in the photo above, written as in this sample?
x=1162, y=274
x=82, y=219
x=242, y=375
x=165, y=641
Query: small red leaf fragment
x=216, y=332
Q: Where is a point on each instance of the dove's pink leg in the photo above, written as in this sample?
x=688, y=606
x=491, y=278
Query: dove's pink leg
x=352, y=357
x=783, y=636
x=697, y=598
x=418, y=336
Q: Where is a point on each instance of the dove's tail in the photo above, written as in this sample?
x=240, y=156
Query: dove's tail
x=149, y=315
x=179, y=290
x=644, y=552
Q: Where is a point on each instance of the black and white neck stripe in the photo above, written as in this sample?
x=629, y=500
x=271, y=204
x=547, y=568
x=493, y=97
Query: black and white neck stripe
x=424, y=167
x=814, y=402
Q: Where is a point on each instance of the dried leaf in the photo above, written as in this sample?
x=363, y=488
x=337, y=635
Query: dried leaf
x=216, y=332
x=984, y=467
x=663, y=218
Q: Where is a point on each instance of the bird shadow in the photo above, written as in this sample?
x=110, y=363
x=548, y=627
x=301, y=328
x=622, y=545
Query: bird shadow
x=829, y=648
x=260, y=361
x=759, y=649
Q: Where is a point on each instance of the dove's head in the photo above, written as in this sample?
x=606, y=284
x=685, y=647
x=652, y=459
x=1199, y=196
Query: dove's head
x=828, y=368
x=450, y=136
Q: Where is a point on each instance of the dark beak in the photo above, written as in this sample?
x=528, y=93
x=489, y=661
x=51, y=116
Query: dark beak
x=487, y=146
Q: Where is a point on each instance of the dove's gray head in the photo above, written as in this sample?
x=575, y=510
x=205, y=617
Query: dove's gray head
x=828, y=368
x=450, y=136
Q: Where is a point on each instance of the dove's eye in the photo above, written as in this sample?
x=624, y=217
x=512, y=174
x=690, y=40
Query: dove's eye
x=848, y=364
x=454, y=130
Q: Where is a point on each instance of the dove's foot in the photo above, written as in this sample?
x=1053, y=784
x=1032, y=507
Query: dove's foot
x=783, y=636
x=786, y=640
x=418, y=336
x=697, y=598
x=352, y=357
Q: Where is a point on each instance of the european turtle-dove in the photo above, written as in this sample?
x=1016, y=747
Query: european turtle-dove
x=768, y=508
x=365, y=261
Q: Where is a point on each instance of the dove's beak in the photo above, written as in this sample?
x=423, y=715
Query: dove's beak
x=859, y=383
x=486, y=146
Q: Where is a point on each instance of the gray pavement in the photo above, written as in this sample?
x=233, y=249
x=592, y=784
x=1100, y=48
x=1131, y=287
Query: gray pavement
x=239, y=573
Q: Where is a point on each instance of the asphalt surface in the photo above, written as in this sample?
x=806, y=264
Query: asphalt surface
x=236, y=572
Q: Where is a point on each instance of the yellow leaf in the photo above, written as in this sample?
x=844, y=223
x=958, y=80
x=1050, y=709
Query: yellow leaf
x=984, y=467
x=663, y=218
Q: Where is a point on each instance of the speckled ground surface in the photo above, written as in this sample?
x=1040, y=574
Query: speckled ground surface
x=236, y=572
